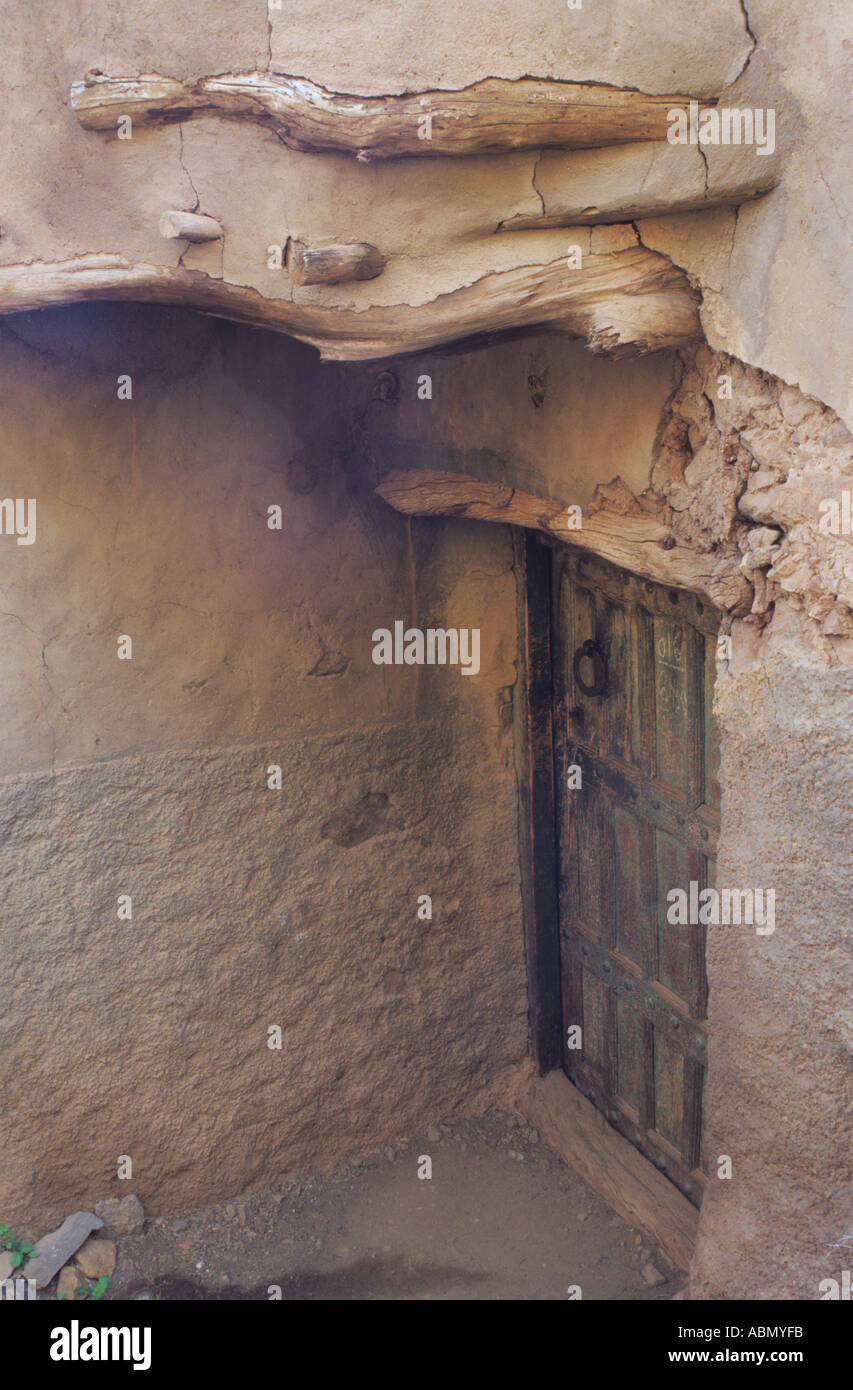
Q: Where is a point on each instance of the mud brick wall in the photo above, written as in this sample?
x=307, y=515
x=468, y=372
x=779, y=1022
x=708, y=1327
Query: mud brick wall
x=251, y=908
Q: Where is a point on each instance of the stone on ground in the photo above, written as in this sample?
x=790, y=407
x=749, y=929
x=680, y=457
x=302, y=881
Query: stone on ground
x=123, y=1216
x=57, y=1247
x=68, y=1283
x=97, y=1257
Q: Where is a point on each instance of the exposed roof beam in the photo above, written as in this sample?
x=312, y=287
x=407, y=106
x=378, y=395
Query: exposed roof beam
x=489, y=117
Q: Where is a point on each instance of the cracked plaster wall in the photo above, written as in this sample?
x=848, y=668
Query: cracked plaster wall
x=251, y=907
x=776, y=293
x=253, y=647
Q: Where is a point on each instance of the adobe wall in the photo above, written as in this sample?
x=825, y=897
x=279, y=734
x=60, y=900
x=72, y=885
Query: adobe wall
x=760, y=465
x=774, y=278
x=731, y=458
x=738, y=459
x=780, y=1023
x=253, y=907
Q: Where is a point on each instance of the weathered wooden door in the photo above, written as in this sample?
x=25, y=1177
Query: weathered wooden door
x=633, y=668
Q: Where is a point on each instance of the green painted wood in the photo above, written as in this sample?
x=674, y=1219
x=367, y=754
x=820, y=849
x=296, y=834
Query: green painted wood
x=645, y=820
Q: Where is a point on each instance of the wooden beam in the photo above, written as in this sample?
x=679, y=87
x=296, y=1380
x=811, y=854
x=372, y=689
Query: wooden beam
x=622, y=303
x=488, y=117
x=191, y=226
x=641, y=544
x=333, y=265
x=574, y=1129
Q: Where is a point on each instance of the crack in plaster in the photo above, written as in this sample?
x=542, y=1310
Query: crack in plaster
x=645, y=177
x=707, y=171
x=195, y=206
x=842, y=219
x=5, y=614
x=536, y=189
x=46, y=678
x=748, y=28
x=186, y=170
x=736, y=211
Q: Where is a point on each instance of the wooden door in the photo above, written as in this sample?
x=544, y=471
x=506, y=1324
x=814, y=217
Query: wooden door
x=633, y=676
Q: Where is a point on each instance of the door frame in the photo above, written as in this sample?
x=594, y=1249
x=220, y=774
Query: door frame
x=569, y=1123
x=534, y=747
x=536, y=769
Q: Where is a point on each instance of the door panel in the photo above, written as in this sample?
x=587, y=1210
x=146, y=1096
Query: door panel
x=644, y=820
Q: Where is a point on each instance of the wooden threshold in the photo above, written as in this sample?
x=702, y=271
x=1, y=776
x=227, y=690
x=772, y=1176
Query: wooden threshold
x=571, y=1126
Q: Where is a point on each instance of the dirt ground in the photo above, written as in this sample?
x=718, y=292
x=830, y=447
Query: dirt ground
x=501, y=1218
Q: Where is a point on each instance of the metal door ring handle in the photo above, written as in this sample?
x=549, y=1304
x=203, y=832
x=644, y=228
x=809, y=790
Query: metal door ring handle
x=594, y=652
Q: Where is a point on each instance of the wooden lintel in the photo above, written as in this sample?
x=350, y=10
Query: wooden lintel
x=488, y=117
x=637, y=543
x=627, y=302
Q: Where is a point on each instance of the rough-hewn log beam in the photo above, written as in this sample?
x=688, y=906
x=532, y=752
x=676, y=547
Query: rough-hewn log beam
x=628, y=302
x=637, y=543
x=333, y=265
x=487, y=118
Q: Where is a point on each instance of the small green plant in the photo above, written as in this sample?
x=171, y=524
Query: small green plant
x=20, y=1249
x=90, y=1295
